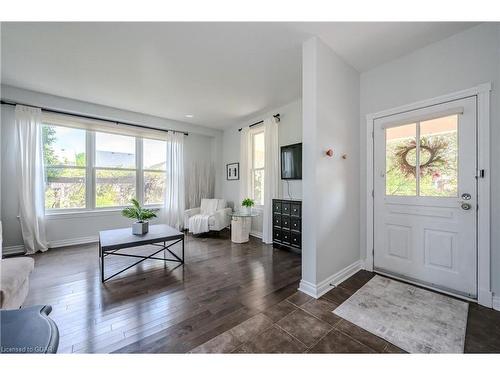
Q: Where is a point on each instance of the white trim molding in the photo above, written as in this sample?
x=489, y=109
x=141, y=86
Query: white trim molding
x=73, y=241
x=13, y=250
x=19, y=249
x=256, y=234
x=482, y=94
x=496, y=302
x=330, y=282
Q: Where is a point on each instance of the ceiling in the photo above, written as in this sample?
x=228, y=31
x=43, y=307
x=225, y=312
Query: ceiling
x=221, y=73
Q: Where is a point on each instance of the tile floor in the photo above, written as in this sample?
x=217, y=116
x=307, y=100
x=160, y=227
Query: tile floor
x=301, y=324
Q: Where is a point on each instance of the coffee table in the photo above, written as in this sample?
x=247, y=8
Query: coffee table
x=112, y=241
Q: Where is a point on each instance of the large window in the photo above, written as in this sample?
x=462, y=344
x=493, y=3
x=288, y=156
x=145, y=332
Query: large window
x=65, y=167
x=257, y=165
x=115, y=172
x=90, y=169
x=155, y=163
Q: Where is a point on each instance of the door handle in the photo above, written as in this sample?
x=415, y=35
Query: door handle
x=466, y=196
x=465, y=206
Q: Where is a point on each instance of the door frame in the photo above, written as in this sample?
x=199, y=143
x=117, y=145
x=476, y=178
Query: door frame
x=482, y=94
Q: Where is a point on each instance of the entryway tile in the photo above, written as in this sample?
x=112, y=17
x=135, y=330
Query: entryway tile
x=305, y=327
x=322, y=309
x=337, y=342
x=273, y=340
x=279, y=310
x=299, y=298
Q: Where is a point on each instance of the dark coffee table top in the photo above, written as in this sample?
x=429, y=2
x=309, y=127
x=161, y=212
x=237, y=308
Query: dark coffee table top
x=123, y=238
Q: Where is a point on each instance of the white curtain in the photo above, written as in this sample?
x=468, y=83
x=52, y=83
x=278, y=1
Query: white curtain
x=271, y=176
x=174, y=199
x=244, y=165
x=30, y=178
x=200, y=182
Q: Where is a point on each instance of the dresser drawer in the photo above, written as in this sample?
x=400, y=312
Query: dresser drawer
x=277, y=207
x=295, y=209
x=285, y=208
x=277, y=220
x=295, y=224
x=296, y=240
x=286, y=237
x=277, y=235
x=285, y=222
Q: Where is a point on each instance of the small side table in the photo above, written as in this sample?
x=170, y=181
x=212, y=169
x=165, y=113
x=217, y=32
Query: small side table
x=241, y=223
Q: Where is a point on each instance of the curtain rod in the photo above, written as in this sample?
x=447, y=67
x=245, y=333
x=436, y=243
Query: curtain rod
x=276, y=116
x=94, y=118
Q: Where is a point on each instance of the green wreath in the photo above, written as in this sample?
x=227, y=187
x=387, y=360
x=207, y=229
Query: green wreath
x=434, y=151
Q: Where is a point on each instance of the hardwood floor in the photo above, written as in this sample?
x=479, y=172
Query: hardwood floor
x=228, y=297
x=157, y=307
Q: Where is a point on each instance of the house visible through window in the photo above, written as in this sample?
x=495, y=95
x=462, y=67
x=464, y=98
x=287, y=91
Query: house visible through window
x=154, y=168
x=257, y=166
x=87, y=169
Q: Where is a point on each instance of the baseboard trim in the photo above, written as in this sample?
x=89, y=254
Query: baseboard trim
x=496, y=302
x=307, y=288
x=330, y=282
x=73, y=241
x=13, y=250
x=256, y=234
x=485, y=298
x=19, y=249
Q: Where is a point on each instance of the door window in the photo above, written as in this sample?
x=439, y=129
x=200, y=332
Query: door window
x=428, y=168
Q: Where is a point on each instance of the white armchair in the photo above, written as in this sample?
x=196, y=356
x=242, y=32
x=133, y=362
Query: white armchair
x=213, y=211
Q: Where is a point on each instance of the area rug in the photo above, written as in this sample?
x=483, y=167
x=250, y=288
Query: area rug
x=414, y=319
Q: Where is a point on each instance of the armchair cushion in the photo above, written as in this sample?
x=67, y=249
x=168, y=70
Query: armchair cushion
x=213, y=214
x=189, y=213
x=14, y=285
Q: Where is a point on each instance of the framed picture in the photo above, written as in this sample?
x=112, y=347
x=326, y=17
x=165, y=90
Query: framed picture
x=233, y=171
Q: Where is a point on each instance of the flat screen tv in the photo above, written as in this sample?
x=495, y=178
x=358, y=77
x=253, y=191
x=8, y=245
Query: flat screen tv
x=291, y=162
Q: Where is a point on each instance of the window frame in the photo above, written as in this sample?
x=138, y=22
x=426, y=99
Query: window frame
x=91, y=171
x=252, y=133
x=144, y=170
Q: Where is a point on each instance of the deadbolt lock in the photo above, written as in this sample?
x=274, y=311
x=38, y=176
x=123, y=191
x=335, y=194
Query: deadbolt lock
x=466, y=206
x=466, y=196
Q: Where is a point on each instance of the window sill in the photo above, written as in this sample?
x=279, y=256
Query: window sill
x=89, y=213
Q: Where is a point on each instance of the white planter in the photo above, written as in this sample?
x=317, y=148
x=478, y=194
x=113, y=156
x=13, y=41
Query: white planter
x=140, y=227
x=246, y=210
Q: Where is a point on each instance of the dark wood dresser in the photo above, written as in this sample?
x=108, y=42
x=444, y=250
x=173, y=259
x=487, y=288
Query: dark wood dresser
x=287, y=224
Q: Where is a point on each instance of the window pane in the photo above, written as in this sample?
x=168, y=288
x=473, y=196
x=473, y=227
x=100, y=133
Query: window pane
x=63, y=146
x=258, y=150
x=154, y=187
x=114, y=151
x=65, y=188
x=400, y=160
x=258, y=186
x=439, y=157
x=155, y=154
x=114, y=187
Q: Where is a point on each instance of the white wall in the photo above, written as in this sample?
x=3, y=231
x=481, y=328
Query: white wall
x=290, y=132
x=201, y=144
x=330, y=185
x=459, y=62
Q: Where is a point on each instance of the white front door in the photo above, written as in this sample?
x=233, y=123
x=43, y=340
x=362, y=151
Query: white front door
x=425, y=196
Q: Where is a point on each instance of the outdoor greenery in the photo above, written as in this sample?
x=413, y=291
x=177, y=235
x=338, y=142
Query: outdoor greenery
x=438, y=166
x=137, y=212
x=65, y=176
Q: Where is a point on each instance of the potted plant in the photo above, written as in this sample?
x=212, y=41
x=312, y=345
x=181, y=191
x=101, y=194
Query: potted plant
x=247, y=205
x=142, y=215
